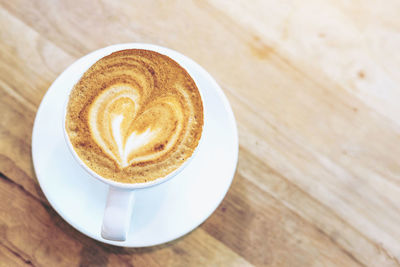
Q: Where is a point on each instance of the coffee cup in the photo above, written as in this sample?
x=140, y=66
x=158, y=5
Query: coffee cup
x=120, y=199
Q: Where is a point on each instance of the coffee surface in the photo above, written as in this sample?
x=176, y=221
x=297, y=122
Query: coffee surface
x=134, y=116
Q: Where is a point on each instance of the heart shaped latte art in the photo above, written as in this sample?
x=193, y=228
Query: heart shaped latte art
x=130, y=133
x=134, y=116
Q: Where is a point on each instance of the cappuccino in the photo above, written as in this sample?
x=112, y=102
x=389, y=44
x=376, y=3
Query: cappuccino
x=134, y=116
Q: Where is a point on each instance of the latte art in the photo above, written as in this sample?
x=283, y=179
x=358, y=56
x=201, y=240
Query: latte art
x=128, y=137
x=134, y=116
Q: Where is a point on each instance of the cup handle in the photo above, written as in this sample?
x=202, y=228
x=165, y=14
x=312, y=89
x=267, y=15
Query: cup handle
x=117, y=214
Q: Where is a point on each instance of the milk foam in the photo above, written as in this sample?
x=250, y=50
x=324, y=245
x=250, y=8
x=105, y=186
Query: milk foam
x=101, y=105
x=133, y=142
x=114, y=118
x=134, y=116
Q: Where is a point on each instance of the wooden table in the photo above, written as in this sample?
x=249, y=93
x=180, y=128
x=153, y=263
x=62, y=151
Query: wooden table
x=315, y=87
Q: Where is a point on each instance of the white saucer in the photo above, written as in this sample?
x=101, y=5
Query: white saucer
x=161, y=213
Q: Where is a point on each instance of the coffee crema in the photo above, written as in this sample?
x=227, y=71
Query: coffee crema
x=134, y=116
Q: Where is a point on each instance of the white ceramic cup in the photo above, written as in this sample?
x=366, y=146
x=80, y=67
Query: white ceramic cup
x=120, y=199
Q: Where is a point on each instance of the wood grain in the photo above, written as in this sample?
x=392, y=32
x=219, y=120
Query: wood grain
x=315, y=89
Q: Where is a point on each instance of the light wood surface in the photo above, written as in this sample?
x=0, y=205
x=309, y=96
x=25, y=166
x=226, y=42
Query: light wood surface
x=314, y=85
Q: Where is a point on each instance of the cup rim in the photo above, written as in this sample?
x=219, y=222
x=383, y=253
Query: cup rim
x=109, y=50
